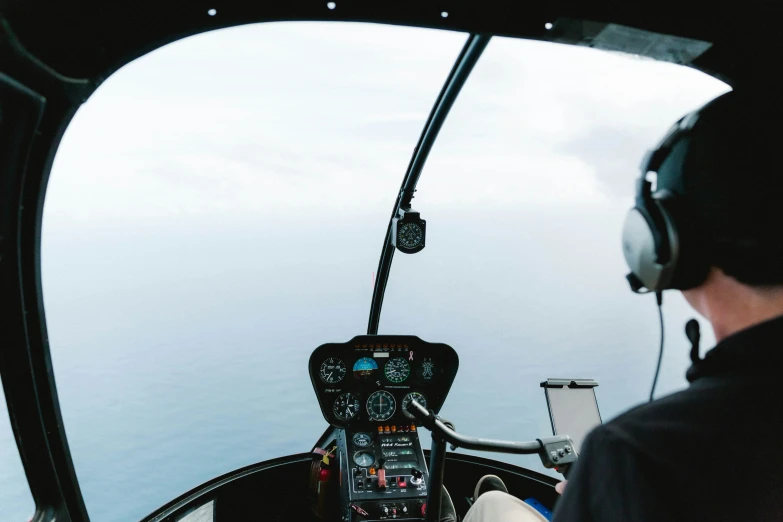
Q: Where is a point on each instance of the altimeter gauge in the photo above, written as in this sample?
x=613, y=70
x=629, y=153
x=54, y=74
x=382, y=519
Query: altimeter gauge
x=346, y=406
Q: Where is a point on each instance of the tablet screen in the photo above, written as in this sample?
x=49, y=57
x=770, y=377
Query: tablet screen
x=574, y=412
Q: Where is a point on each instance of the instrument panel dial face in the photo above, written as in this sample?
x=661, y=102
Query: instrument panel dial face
x=346, y=406
x=428, y=369
x=365, y=368
x=332, y=370
x=381, y=406
x=410, y=235
x=397, y=370
x=364, y=459
x=362, y=440
x=418, y=397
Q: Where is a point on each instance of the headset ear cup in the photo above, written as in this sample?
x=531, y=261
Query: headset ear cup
x=641, y=240
x=687, y=266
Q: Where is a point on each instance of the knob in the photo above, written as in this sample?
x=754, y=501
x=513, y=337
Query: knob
x=404, y=508
x=416, y=473
x=385, y=510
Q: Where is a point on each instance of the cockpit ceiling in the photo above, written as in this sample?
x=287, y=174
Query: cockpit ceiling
x=89, y=39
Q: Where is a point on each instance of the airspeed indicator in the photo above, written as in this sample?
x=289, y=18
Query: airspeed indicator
x=332, y=370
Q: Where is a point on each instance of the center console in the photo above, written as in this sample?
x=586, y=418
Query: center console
x=363, y=387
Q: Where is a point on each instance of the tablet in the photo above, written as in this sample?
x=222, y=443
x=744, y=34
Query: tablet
x=573, y=408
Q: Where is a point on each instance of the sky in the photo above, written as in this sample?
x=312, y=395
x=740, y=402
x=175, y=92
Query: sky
x=216, y=211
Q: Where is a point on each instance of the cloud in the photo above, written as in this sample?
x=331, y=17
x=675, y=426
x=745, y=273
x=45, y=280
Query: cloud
x=313, y=118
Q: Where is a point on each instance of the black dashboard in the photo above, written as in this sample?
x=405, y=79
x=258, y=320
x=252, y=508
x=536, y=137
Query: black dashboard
x=370, y=379
x=363, y=387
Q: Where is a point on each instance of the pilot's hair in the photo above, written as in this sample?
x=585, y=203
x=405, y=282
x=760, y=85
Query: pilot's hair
x=728, y=172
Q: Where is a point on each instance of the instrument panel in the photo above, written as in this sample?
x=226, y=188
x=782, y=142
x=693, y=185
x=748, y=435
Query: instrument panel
x=371, y=378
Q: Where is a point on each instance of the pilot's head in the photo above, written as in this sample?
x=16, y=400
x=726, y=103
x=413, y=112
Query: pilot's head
x=710, y=202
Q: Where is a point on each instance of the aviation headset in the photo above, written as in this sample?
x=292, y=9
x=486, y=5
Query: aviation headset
x=659, y=246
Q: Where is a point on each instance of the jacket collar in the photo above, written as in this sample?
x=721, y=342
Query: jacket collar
x=755, y=349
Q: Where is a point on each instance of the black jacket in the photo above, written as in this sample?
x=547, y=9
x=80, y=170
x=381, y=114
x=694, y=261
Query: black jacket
x=712, y=452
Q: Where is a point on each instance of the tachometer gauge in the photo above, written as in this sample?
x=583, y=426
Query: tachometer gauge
x=332, y=370
x=362, y=440
x=364, y=459
x=381, y=406
x=397, y=370
x=346, y=406
x=418, y=397
x=365, y=368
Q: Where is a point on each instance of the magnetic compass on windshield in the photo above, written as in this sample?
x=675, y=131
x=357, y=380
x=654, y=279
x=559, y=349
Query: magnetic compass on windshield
x=409, y=231
x=346, y=406
x=381, y=406
x=397, y=370
x=332, y=370
x=410, y=235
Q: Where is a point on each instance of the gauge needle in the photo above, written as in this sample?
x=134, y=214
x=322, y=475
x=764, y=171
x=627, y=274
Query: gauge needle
x=330, y=376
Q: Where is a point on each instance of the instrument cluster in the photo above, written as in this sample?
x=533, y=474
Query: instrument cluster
x=372, y=378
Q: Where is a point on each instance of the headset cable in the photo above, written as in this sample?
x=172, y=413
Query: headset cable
x=659, y=300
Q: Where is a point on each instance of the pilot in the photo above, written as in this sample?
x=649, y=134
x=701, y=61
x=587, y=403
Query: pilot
x=711, y=226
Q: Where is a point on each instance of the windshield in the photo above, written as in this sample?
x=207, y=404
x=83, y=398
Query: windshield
x=217, y=208
x=214, y=214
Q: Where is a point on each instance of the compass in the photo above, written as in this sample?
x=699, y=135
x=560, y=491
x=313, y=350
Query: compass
x=409, y=231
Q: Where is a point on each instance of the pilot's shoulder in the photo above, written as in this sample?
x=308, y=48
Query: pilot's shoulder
x=650, y=428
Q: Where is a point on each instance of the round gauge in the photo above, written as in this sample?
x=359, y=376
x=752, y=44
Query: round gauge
x=346, y=406
x=362, y=440
x=381, y=405
x=410, y=235
x=332, y=370
x=418, y=397
x=365, y=368
x=427, y=369
x=364, y=459
x=397, y=370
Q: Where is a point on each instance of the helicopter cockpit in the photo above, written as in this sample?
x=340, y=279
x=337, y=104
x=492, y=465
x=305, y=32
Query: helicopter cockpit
x=384, y=453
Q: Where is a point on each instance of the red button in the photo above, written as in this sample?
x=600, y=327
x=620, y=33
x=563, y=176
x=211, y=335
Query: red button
x=401, y=483
x=424, y=510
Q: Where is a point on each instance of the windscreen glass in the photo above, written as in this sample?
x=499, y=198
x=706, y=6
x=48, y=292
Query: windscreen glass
x=214, y=213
